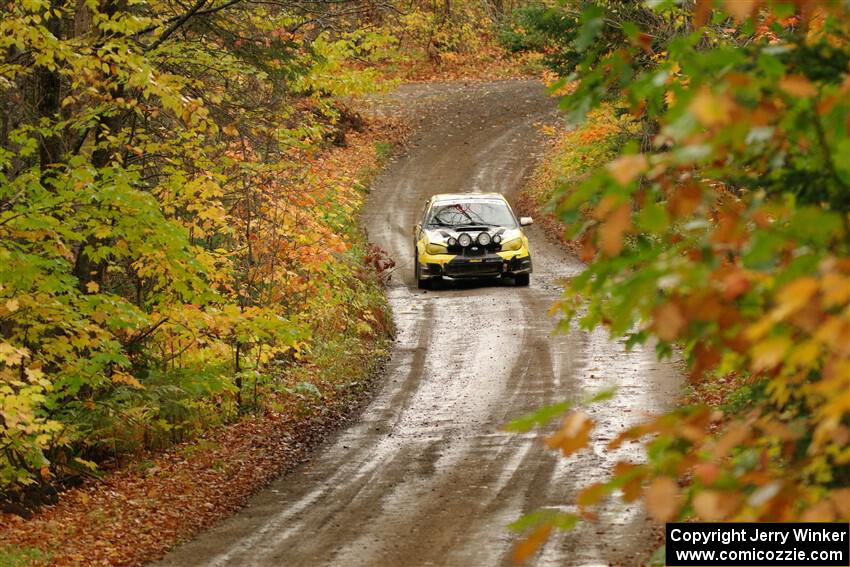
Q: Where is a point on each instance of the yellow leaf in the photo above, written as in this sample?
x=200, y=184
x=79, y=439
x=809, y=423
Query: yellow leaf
x=804, y=354
x=92, y=287
x=760, y=328
x=769, y=352
x=10, y=355
x=711, y=109
x=34, y=374
x=12, y=305
x=836, y=290
x=794, y=296
x=662, y=498
x=124, y=378
x=798, y=86
x=626, y=168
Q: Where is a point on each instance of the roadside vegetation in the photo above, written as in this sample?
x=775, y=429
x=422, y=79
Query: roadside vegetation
x=712, y=210
x=186, y=291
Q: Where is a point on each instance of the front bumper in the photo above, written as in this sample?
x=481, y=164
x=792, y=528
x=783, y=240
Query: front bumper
x=488, y=265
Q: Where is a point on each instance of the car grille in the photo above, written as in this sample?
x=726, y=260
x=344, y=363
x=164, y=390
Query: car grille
x=459, y=268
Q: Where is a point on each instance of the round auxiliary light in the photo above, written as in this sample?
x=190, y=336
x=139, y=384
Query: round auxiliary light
x=452, y=241
x=464, y=240
x=484, y=239
x=497, y=239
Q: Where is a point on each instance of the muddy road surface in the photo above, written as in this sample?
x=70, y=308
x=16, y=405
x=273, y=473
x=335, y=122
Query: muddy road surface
x=428, y=476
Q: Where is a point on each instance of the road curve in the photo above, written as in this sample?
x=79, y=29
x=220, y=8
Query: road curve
x=427, y=476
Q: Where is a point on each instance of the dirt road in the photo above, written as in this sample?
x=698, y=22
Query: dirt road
x=427, y=476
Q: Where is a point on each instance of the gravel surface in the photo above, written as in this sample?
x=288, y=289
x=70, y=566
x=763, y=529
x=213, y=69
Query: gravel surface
x=428, y=476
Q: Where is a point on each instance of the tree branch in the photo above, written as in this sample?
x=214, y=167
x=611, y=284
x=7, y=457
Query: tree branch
x=177, y=24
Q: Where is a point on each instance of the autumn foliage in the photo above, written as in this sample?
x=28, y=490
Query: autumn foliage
x=177, y=234
x=720, y=232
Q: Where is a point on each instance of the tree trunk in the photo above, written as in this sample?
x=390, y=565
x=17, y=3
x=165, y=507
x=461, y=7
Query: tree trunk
x=47, y=95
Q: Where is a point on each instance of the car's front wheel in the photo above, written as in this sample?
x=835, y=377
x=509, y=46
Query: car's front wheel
x=522, y=280
x=417, y=273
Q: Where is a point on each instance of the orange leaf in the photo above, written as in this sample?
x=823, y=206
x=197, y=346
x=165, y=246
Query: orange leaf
x=715, y=505
x=588, y=250
x=702, y=12
x=529, y=546
x=668, y=321
x=706, y=473
x=740, y=9
x=626, y=168
x=662, y=498
x=685, y=200
x=613, y=231
x=798, y=86
x=573, y=435
x=632, y=487
x=711, y=109
x=735, y=283
x=734, y=436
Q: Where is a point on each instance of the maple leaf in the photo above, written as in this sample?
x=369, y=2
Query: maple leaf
x=529, y=546
x=798, y=86
x=740, y=9
x=573, y=435
x=626, y=168
x=662, y=498
x=715, y=505
x=668, y=321
x=613, y=231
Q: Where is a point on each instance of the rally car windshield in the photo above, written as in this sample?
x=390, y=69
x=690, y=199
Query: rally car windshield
x=487, y=213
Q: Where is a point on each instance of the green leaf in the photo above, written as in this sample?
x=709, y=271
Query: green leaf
x=539, y=417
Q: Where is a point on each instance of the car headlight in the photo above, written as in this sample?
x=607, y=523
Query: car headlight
x=436, y=249
x=452, y=241
x=484, y=239
x=514, y=244
x=497, y=239
x=464, y=240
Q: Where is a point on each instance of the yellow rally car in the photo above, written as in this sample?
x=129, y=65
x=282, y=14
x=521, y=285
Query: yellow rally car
x=471, y=235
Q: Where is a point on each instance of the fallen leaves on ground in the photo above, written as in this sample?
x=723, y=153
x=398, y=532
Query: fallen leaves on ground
x=141, y=510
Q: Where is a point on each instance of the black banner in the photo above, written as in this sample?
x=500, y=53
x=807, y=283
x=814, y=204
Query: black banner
x=758, y=544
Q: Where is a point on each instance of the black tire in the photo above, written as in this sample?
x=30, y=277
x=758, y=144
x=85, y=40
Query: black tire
x=420, y=283
x=522, y=280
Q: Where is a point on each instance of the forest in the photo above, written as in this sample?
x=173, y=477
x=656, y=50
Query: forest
x=181, y=184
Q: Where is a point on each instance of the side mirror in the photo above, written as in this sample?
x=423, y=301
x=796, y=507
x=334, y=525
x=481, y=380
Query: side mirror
x=525, y=221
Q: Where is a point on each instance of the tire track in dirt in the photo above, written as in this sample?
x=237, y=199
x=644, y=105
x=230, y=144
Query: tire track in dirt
x=428, y=476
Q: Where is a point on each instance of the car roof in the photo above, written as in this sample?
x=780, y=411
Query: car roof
x=466, y=196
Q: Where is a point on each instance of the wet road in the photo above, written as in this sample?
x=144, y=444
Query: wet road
x=427, y=476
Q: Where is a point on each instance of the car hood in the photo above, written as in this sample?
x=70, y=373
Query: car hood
x=441, y=235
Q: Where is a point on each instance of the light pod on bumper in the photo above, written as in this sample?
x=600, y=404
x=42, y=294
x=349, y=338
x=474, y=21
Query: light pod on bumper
x=464, y=240
x=484, y=239
x=451, y=241
x=497, y=239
